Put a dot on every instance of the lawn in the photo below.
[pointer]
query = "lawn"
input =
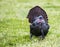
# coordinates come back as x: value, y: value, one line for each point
x: 14, y: 26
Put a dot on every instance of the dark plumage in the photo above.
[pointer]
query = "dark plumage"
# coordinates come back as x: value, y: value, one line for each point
x: 39, y: 22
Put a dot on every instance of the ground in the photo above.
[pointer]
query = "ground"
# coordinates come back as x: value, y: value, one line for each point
x: 14, y: 26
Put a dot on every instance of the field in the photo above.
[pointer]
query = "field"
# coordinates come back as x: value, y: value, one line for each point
x: 14, y: 26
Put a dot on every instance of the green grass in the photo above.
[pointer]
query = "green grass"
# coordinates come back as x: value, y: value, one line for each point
x: 14, y: 27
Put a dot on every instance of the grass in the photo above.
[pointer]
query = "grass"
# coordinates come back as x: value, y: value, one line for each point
x: 14, y: 27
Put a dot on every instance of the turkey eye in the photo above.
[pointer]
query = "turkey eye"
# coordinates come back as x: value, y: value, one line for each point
x: 37, y: 23
x: 40, y: 18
